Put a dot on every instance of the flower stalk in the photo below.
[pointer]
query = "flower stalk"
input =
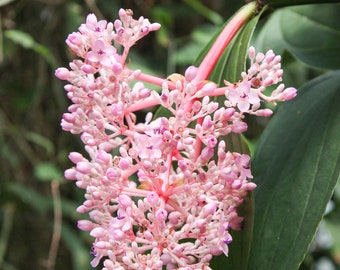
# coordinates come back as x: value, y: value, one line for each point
x: 223, y: 40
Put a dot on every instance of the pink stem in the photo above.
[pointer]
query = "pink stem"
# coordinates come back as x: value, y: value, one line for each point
x: 155, y: 80
x: 223, y: 40
x: 215, y: 52
x: 143, y: 104
x: 150, y: 101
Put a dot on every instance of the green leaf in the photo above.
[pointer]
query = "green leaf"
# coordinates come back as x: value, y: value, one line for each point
x: 280, y: 3
x: 48, y: 172
x: 26, y: 41
x: 200, y: 36
x: 29, y: 197
x: 21, y: 38
x: 311, y: 33
x: 296, y: 167
x: 41, y: 140
x: 269, y: 35
x: 204, y: 11
x: 333, y: 228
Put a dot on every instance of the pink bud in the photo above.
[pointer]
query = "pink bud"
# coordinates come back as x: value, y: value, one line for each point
x: 288, y: 94
x: 85, y: 225
x: 207, y: 123
x: 216, y: 250
x: 70, y: 174
x: 208, y: 88
x: 124, y: 200
x: 66, y: 125
x: 98, y: 232
x: 259, y: 57
x: 264, y: 112
x: 153, y: 198
x: 117, y: 68
x: 118, y: 235
x: 144, y: 93
x: 269, y: 56
x: 236, y: 184
x: 207, y: 154
x: 239, y: 127
x: 251, y: 186
x: 75, y: 157
x: 145, y: 30
x: 103, y: 157
x: 267, y: 82
x: 91, y: 19
x: 228, y: 113
x: 154, y: 26
x: 174, y: 217
x: 111, y: 174
x: 82, y: 209
x: 251, y: 52
x: 182, y: 165
x: 190, y: 73
x: 124, y: 164
x: 69, y: 117
x: 102, y: 245
x: 277, y: 59
x: 161, y: 215
x: 83, y: 167
x: 212, y: 107
x: 147, y: 164
x: 210, y: 141
x: 122, y: 14
x: 201, y: 223
x: 74, y: 39
x: 62, y: 73
x: 196, y: 106
x: 88, y: 69
x: 209, y: 209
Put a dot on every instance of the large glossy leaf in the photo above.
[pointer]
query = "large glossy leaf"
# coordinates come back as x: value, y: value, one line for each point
x: 311, y: 33
x: 296, y: 167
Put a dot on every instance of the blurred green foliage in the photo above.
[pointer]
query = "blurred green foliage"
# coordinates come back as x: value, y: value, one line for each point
x: 34, y: 149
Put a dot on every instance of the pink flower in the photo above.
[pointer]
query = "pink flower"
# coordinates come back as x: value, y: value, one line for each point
x: 223, y: 240
x: 243, y: 96
x: 94, y: 25
x: 102, y: 53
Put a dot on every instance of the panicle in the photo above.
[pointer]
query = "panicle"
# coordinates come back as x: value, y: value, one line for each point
x: 153, y: 186
x: 264, y: 71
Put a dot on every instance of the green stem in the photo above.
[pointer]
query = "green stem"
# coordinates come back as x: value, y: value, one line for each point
x: 8, y: 217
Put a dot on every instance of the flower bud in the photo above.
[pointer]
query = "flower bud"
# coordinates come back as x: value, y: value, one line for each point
x: 62, y: 73
x: 190, y: 73
x: 209, y: 209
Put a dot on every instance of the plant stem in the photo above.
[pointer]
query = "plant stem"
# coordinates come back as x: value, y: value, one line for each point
x: 222, y: 41
x: 57, y: 225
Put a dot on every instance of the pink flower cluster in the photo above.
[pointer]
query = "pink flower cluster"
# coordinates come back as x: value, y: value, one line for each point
x: 165, y: 192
